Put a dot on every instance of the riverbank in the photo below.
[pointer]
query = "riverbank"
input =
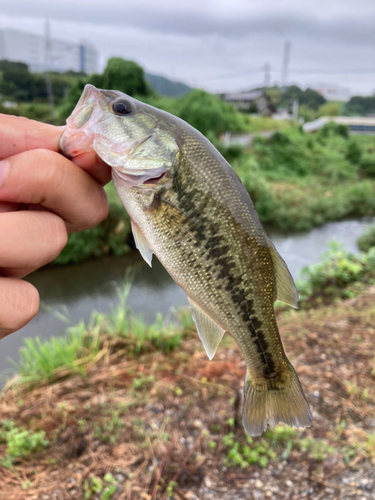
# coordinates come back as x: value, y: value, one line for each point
x: 297, y: 181
x: 118, y: 409
x: 167, y: 425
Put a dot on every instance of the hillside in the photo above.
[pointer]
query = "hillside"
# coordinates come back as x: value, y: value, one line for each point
x: 166, y: 87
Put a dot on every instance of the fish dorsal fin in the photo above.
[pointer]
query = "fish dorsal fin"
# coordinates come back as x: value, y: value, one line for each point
x: 141, y: 244
x: 209, y: 332
x: 285, y: 288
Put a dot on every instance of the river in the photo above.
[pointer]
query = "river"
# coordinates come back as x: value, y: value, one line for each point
x: 78, y: 290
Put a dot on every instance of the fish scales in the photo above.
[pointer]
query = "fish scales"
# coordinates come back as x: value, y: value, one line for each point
x: 188, y: 206
x: 224, y: 279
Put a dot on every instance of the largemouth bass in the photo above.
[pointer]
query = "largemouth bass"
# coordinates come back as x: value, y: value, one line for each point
x: 189, y: 208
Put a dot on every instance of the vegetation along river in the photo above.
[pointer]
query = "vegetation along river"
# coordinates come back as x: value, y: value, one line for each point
x: 78, y: 290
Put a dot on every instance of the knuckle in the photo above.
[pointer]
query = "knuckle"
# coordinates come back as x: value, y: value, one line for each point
x: 57, y: 238
x: 97, y: 210
x: 43, y: 173
x: 102, y: 208
x: 47, y: 169
x: 33, y: 301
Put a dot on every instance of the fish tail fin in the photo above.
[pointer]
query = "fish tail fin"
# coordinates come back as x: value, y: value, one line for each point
x: 274, y: 402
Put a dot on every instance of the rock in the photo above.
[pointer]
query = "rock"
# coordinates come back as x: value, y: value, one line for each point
x: 207, y: 482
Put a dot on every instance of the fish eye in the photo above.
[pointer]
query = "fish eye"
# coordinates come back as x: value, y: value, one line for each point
x: 121, y: 107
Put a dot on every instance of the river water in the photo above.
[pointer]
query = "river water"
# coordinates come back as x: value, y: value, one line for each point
x: 78, y: 290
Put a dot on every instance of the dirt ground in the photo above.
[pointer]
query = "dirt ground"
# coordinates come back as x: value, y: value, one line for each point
x: 169, y: 426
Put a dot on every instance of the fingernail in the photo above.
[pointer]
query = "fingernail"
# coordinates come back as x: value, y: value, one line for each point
x: 4, y: 164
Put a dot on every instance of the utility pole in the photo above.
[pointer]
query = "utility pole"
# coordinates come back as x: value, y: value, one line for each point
x: 267, y: 76
x: 47, y: 48
x: 284, y: 75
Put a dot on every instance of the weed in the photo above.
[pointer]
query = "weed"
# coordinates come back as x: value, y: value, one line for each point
x: 20, y: 442
x: 39, y: 360
x: 367, y: 239
x: 169, y: 490
x: 253, y: 452
x: 142, y: 382
x: 109, y: 428
x: 339, y: 274
x: 317, y: 449
x: 276, y: 443
x: 25, y: 485
x: 100, y: 488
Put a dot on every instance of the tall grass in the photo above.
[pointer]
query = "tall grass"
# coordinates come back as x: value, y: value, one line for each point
x: 83, y: 345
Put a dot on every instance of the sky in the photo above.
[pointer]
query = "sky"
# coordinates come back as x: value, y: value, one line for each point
x: 218, y: 45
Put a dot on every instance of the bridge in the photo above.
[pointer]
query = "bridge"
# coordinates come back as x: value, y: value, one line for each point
x: 356, y: 124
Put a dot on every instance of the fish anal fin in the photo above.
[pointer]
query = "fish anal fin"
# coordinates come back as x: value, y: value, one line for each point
x: 285, y: 288
x: 141, y: 244
x: 209, y: 332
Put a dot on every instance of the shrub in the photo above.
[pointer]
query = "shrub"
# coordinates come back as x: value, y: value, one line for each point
x: 367, y: 165
x: 353, y: 153
x: 367, y: 239
x: 207, y: 113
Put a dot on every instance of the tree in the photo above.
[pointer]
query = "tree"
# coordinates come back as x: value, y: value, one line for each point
x: 329, y: 109
x: 126, y: 76
x: 16, y: 81
x: 361, y: 105
x: 208, y: 113
x: 312, y: 99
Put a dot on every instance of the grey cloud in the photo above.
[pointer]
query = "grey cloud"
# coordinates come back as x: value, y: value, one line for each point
x: 201, y: 43
x: 203, y: 18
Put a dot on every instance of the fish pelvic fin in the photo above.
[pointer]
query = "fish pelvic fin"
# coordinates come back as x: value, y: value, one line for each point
x: 141, y: 243
x: 209, y: 332
x: 274, y: 402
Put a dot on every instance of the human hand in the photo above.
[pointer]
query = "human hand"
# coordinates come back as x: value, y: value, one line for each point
x: 43, y: 197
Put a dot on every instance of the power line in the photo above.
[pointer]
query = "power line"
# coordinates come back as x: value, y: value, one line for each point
x: 234, y: 75
x: 301, y: 71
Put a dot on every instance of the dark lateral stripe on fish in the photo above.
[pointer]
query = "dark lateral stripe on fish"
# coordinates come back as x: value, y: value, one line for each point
x: 192, y: 203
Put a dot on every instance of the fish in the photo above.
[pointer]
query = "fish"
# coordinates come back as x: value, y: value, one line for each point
x: 188, y: 207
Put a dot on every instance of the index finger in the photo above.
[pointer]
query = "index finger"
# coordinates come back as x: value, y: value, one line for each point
x: 19, y: 134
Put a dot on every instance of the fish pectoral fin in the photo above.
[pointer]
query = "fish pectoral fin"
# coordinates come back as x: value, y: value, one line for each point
x: 285, y: 288
x: 209, y: 332
x: 141, y: 243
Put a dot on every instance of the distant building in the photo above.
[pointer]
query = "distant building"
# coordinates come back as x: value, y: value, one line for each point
x: 255, y: 101
x: 332, y: 92
x: 54, y: 55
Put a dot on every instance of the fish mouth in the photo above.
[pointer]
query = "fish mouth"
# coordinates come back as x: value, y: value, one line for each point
x: 77, y: 138
x: 155, y: 180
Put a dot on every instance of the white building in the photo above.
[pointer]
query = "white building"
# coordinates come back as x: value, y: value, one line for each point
x: 41, y: 54
x: 332, y: 92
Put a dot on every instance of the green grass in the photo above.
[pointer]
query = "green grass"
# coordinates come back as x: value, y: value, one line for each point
x: 81, y: 345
